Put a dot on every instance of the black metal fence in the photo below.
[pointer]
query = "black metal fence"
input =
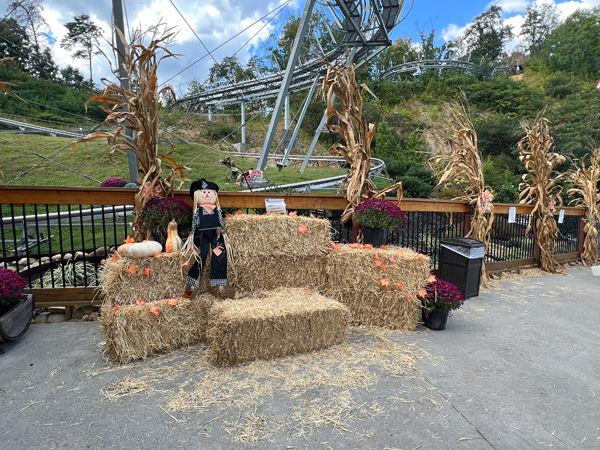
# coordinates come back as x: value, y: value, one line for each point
x: 63, y: 245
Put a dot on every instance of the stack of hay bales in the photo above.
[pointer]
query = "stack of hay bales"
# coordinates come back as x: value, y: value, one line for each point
x: 132, y: 289
x: 379, y: 286
x: 274, y: 324
x: 278, y: 251
x: 138, y: 331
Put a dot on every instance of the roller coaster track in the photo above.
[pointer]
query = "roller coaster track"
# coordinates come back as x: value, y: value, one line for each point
x: 366, y: 25
x: 427, y: 64
x: 30, y: 128
x: 377, y: 170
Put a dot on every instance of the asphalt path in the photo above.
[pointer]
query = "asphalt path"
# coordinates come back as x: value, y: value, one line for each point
x: 516, y: 368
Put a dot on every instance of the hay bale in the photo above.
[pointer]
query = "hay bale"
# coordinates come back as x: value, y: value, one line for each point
x: 134, y: 332
x: 257, y: 235
x: 166, y: 278
x: 251, y: 273
x: 275, y: 324
x: 355, y: 280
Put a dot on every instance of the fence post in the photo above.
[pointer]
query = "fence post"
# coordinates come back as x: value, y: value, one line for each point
x: 580, y: 234
x: 467, y: 223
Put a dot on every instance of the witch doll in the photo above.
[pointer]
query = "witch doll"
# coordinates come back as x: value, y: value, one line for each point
x: 207, y: 235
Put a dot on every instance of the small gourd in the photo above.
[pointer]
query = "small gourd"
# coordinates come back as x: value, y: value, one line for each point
x: 140, y: 249
x: 174, y: 242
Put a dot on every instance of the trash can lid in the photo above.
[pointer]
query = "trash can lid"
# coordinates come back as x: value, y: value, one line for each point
x: 463, y: 242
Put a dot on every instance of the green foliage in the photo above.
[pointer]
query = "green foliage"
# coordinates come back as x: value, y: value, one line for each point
x: 574, y: 46
x: 506, y: 96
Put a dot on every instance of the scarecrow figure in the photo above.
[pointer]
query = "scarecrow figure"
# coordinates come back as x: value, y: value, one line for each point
x: 207, y: 235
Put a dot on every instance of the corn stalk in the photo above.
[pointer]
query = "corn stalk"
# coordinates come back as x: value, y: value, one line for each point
x: 539, y: 187
x: 586, y: 182
x: 136, y: 108
x: 462, y: 158
x: 357, y: 134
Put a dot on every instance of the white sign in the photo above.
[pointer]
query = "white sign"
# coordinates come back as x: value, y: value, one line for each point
x: 275, y: 206
x: 561, y: 216
x: 512, y: 214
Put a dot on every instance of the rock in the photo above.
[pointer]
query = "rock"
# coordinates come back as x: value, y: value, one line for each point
x: 24, y: 261
x: 78, y: 254
x: 41, y: 319
x: 85, y: 318
x: 101, y: 251
x: 56, y: 257
x: 573, y: 263
x: 74, y: 320
x: 566, y: 266
x: 91, y: 309
x: 57, y: 309
x: 56, y: 318
x: 494, y: 276
x: 78, y: 313
x: 32, y: 321
x: 45, y: 313
x: 67, y: 256
x: 12, y: 268
x: 504, y: 274
x: 35, y: 264
x: 94, y: 316
x: 45, y: 259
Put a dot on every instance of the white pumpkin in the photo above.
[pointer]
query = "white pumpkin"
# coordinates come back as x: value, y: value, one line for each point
x: 140, y: 249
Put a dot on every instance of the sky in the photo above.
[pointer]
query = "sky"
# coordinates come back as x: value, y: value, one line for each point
x: 215, y: 21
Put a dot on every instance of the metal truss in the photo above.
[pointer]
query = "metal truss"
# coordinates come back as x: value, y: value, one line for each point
x: 366, y: 25
x: 427, y: 64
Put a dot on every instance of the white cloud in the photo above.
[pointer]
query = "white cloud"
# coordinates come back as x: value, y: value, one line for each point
x: 509, y: 6
x: 452, y: 31
x: 215, y: 21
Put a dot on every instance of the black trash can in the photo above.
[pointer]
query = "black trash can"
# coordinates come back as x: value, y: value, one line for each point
x: 460, y: 264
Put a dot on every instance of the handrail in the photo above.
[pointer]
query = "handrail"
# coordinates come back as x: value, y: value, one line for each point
x: 52, y: 195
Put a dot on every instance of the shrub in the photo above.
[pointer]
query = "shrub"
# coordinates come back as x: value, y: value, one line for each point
x: 113, y: 182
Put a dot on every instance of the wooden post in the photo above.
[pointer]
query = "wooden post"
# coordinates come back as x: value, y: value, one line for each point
x: 580, y: 234
x: 467, y: 223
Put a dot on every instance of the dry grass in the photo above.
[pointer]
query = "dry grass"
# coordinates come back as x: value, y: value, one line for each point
x: 586, y: 182
x: 133, y: 103
x: 357, y: 134
x: 134, y: 332
x: 166, y: 278
x: 539, y: 187
x: 369, y: 301
x: 274, y: 324
x: 319, y: 386
x: 259, y: 235
x: 257, y: 273
x: 462, y: 158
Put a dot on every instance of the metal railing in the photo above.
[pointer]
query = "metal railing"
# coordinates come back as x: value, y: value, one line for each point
x: 61, y: 235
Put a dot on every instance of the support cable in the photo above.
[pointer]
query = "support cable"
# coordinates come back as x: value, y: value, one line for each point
x: 48, y: 159
x: 228, y: 40
x: 192, y: 30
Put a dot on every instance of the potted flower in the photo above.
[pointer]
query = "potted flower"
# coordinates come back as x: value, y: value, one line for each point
x: 158, y: 212
x: 16, y: 308
x: 439, y: 298
x: 376, y: 216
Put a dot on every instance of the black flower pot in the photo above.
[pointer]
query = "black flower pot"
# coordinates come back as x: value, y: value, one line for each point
x: 15, y: 322
x: 375, y: 236
x: 436, y: 320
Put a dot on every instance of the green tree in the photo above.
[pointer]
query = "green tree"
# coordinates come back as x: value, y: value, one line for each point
x: 574, y: 46
x: 14, y: 42
x: 73, y: 77
x: 484, y: 39
x: 403, y: 50
x: 82, y: 36
x: 540, y: 20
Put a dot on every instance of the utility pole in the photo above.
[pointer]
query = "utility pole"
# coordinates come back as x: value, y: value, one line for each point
x: 119, y: 25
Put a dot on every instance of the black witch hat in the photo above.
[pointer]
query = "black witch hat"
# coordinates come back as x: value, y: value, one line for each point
x: 203, y: 184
